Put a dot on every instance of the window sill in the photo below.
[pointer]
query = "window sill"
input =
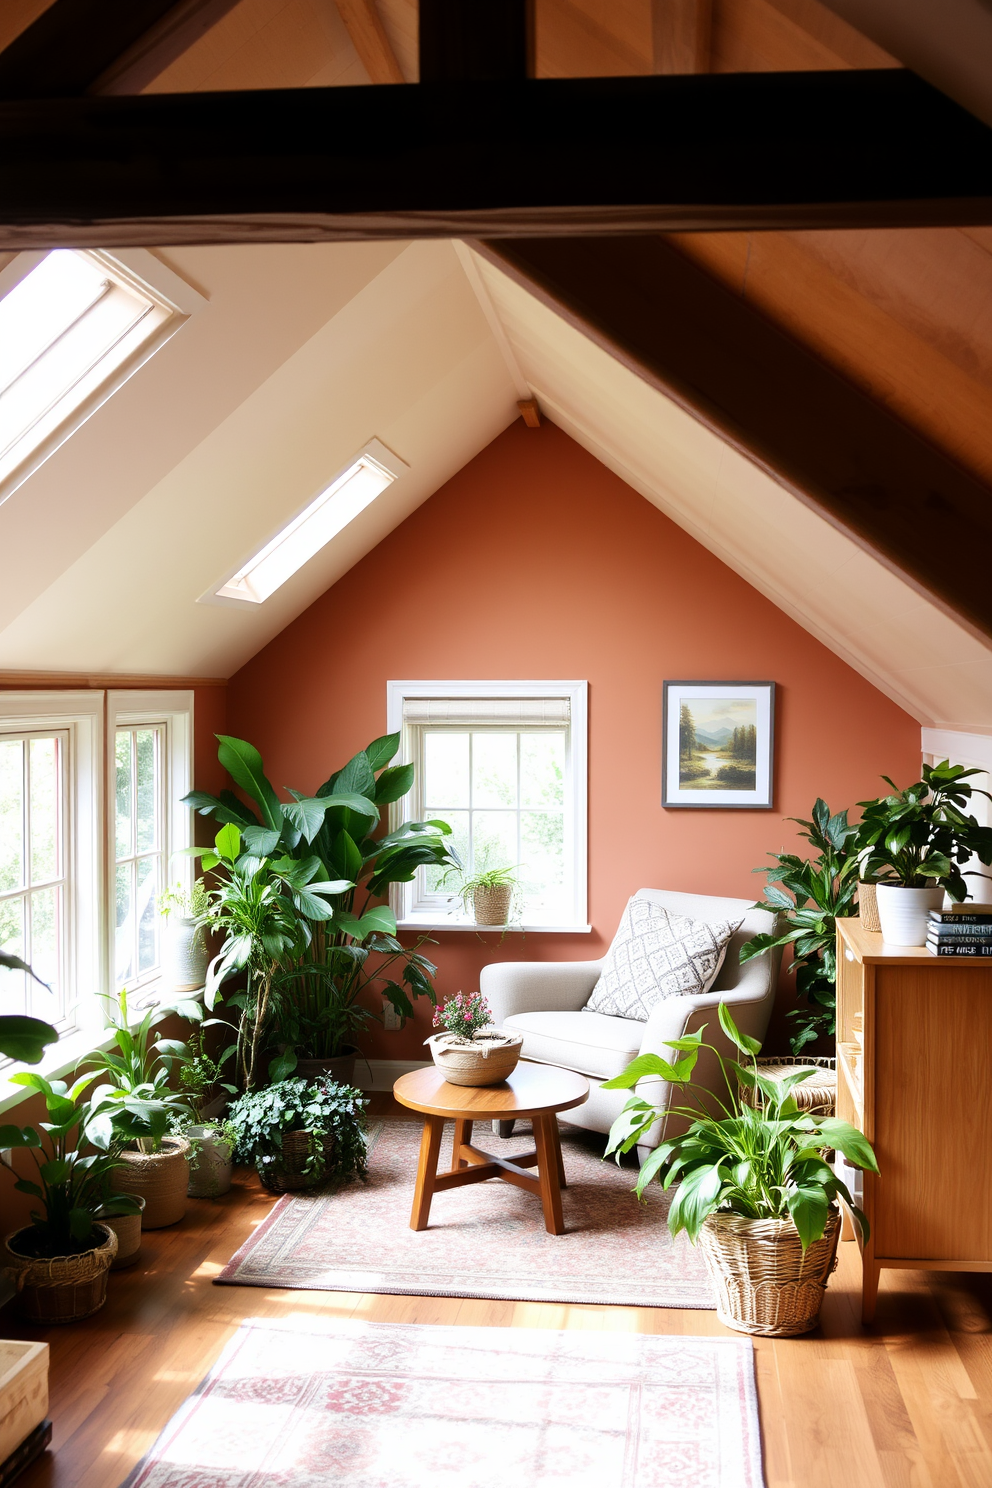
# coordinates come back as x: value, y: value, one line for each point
x: 60, y: 1060
x: 427, y: 922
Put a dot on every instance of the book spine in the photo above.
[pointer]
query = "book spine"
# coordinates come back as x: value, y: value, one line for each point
x: 953, y: 940
x: 958, y: 922
x: 959, y: 950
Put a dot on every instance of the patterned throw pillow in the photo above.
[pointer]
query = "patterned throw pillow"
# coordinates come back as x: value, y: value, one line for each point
x: 657, y: 954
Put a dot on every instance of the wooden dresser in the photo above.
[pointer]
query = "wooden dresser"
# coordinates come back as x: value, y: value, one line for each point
x: 919, y: 1085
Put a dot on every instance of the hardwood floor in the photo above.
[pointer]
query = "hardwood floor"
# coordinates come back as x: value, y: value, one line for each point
x: 906, y: 1404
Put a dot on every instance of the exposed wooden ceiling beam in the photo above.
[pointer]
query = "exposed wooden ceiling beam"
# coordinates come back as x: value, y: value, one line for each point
x: 477, y: 40
x: 735, y: 151
x: 805, y: 425
x: 368, y: 37
x: 106, y: 46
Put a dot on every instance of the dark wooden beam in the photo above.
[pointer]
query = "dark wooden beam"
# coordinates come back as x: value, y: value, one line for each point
x: 812, y: 431
x: 572, y: 155
x: 477, y: 40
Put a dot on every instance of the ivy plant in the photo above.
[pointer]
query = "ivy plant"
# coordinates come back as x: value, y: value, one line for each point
x: 261, y: 1118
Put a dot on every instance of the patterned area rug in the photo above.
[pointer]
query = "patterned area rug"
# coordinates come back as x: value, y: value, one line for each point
x: 303, y: 1403
x: 485, y: 1240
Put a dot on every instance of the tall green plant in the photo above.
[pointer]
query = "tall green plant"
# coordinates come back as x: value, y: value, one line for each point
x: 315, y: 999
x: 809, y: 895
x: 922, y: 836
x: 137, y: 1103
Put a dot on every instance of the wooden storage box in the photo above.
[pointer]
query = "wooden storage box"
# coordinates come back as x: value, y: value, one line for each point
x: 23, y: 1392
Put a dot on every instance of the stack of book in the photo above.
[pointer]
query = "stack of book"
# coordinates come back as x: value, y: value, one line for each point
x: 965, y: 930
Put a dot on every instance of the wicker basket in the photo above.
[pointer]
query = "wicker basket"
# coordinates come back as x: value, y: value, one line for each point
x: 868, y: 906
x: 62, y: 1289
x: 285, y: 1174
x: 161, y: 1178
x: 475, y: 1064
x: 814, y: 1097
x: 492, y: 906
x: 764, y: 1284
x: 127, y: 1228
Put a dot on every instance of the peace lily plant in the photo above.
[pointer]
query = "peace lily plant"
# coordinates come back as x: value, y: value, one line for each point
x: 759, y: 1159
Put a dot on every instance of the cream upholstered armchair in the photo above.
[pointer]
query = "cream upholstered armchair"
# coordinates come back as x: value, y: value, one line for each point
x: 545, y: 1001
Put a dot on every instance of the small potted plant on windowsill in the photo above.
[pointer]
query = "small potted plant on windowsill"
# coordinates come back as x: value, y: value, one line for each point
x: 754, y: 1187
x: 301, y: 1133
x: 914, y: 844
x: 488, y: 896
x: 59, y: 1262
x: 185, y: 913
x: 471, y: 1051
x: 212, y: 1143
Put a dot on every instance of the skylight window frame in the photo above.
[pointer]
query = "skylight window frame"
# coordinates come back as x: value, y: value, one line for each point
x: 373, y: 453
x: 138, y: 272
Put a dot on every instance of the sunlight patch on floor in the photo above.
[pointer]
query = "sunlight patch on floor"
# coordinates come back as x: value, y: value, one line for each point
x: 130, y: 1442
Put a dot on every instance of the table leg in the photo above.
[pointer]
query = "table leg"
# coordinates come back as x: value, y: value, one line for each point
x: 547, y: 1174
x: 430, y: 1147
x: 556, y: 1135
x: 462, y: 1137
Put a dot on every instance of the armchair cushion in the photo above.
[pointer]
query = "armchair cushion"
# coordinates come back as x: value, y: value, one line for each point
x: 657, y: 954
x: 589, y: 1043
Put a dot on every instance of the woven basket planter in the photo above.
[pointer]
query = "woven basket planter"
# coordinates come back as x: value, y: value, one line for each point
x: 492, y: 906
x: 814, y: 1097
x: 61, y: 1289
x: 127, y: 1228
x: 161, y: 1178
x: 284, y: 1174
x: 478, y: 1063
x: 868, y: 906
x: 764, y: 1284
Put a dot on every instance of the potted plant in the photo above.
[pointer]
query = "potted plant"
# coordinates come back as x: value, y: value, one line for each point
x: 809, y: 895
x: 212, y: 1143
x: 118, y: 1215
x: 488, y: 895
x: 332, y: 944
x: 471, y: 1051
x: 914, y: 844
x: 754, y: 1187
x: 300, y: 1133
x: 185, y: 915
x: 137, y: 1106
x: 59, y: 1262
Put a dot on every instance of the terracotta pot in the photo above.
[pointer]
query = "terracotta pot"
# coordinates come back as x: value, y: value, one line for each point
x: 903, y: 912
x: 340, y: 1068
x: 186, y: 955
x: 161, y: 1178
x: 60, y: 1289
x: 492, y: 906
x: 764, y: 1282
x: 211, y: 1162
x: 477, y: 1063
x: 127, y: 1228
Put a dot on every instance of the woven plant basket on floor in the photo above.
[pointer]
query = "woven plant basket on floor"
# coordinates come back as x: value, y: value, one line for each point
x: 62, y: 1289
x: 868, y: 907
x: 127, y: 1228
x: 161, y: 1178
x: 815, y: 1096
x: 475, y: 1063
x: 492, y: 906
x: 285, y: 1174
x: 763, y: 1282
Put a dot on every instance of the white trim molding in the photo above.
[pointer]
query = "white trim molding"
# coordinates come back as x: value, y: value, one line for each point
x: 576, y: 693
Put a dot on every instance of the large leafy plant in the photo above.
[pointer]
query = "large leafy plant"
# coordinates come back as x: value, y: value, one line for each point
x: 320, y: 856
x: 762, y: 1161
x: 137, y: 1103
x: 809, y: 894
x: 73, y: 1159
x: 922, y: 836
x: 322, y: 1108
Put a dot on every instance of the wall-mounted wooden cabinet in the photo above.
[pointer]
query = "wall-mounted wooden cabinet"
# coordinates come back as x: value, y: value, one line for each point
x: 914, y: 1062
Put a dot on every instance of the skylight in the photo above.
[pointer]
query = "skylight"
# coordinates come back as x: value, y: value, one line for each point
x: 66, y: 327
x: 312, y: 528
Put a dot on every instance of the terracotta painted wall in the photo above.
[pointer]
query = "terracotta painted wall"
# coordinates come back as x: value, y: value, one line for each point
x: 535, y: 561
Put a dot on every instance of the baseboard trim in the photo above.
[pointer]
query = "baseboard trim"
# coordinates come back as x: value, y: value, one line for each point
x: 382, y: 1074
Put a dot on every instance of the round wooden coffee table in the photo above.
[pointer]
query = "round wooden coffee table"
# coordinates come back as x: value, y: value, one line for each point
x: 534, y: 1090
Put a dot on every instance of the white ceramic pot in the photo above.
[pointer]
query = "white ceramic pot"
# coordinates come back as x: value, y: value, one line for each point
x: 210, y: 1163
x: 185, y: 954
x: 903, y: 912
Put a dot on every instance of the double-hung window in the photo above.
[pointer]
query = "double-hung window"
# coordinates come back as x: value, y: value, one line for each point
x: 504, y: 764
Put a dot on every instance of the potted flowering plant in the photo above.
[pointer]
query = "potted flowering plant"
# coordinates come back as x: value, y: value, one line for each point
x: 471, y: 1051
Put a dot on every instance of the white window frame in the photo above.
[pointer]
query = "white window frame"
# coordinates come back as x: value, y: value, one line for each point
x: 174, y: 712
x: 577, y: 791
x: 146, y: 274
x: 81, y: 716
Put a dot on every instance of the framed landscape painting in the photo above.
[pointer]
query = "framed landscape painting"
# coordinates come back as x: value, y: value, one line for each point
x: 717, y: 740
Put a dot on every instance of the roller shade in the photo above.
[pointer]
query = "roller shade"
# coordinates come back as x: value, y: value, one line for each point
x: 504, y: 712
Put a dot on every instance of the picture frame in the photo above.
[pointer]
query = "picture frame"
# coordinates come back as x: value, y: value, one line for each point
x: 718, y: 745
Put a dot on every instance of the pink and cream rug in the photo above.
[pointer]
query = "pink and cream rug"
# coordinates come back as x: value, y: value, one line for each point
x: 487, y: 1240
x: 305, y: 1403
